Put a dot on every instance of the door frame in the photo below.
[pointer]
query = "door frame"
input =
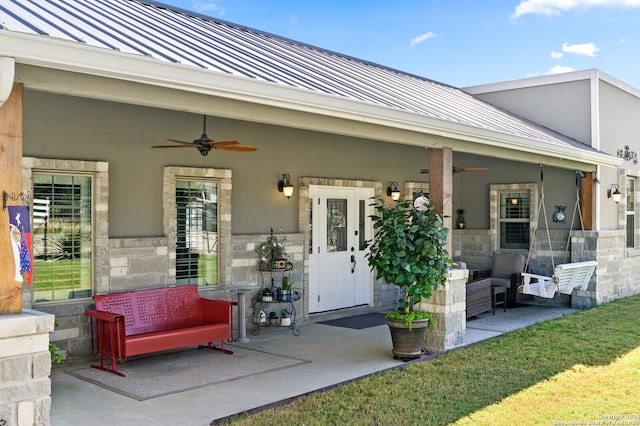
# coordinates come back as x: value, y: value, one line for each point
x: 305, y: 209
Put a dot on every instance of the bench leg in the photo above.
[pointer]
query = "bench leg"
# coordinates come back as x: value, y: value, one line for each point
x: 107, y: 346
x: 212, y: 346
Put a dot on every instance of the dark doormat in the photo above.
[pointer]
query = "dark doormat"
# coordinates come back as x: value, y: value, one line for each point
x: 358, y: 322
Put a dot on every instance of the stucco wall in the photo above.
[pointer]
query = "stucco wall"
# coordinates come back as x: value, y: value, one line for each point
x: 542, y: 103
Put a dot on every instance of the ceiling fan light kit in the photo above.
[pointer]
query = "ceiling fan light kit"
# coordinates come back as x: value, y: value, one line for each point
x: 204, y: 144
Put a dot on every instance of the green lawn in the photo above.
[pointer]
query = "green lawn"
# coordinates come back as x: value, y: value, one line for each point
x: 578, y: 368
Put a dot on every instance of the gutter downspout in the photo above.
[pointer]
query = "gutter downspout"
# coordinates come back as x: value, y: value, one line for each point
x: 7, y: 74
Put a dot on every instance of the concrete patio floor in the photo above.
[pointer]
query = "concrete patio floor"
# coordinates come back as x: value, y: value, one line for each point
x: 331, y: 362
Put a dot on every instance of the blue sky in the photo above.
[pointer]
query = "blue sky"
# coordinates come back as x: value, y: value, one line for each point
x: 459, y: 42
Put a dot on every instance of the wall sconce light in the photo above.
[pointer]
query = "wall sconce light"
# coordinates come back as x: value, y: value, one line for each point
x: 616, y: 194
x: 393, y: 191
x: 285, y: 186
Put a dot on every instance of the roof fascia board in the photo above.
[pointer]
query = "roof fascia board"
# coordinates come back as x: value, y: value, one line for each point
x: 529, y: 82
x: 545, y: 80
x: 66, y: 56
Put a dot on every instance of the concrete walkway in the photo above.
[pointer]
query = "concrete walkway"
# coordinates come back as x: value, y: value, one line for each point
x: 336, y: 355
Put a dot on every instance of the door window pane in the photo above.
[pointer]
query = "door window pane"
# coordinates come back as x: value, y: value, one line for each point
x: 196, y: 232
x: 336, y: 225
x: 362, y: 217
x: 631, y: 214
x: 62, y: 237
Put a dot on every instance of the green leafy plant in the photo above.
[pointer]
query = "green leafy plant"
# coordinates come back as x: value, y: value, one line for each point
x: 409, y: 250
x: 56, y: 358
x: 286, y: 284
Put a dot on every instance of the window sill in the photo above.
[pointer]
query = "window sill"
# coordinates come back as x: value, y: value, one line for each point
x: 632, y: 252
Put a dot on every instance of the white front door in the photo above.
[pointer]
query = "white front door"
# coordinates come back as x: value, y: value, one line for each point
x: 339, y: 276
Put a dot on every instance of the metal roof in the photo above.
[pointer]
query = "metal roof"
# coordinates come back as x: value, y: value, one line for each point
x: 172, y: 35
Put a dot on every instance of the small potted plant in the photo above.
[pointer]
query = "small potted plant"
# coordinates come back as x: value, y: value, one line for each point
x: 285, y: 318
x: 409, y: 250
x: 284, y: 292
x: 273, y: 318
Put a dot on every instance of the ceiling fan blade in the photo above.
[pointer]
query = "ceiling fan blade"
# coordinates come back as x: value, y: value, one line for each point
x: 180, y: 142
x: 470, y: 169
x: 175, y: 146
x: 239, y: 148
x: 462, y: 169
x: 224, y: 142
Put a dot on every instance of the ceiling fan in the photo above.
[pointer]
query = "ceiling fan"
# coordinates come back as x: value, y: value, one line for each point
x: 462, y: 169
x: 204, y: 144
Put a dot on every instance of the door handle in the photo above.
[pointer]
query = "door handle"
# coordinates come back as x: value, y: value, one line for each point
x: 353, y: 263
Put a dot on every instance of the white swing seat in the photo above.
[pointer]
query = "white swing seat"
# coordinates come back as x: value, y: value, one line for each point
x: 566, y: 278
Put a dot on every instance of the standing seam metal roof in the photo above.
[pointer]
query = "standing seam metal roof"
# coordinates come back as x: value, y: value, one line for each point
x: 177, y: 36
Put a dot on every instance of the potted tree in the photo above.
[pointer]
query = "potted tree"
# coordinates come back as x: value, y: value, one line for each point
x: 409, y: 250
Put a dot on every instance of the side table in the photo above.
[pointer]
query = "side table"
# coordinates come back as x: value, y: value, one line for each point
x: 495, y: 291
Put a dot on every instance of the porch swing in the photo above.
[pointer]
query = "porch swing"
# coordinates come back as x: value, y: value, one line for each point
x: 567, y: 276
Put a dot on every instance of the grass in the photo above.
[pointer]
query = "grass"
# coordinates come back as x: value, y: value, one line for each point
x: 578, y: 368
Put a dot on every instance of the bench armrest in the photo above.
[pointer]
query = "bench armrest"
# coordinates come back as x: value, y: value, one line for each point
x: 108, y: 335
x: 102, y: 315
x: 481, y: 274
x: 216, y: 310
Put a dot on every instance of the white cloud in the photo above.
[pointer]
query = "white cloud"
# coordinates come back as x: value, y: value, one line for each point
x: 559, y: 69
x: 556, y: 7
x: 207, y: 6
x: 293, y: 20
x: 585, y: 49
x: 622, y: 40
x: 557, y: 55
x: 426, y: 36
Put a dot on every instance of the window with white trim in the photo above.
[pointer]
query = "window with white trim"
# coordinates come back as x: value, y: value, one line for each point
x: 513, y: 211
x: 197, y: 222
x: 196, y: 232
x: 62, y: 238
x: 69, y: 198
x: 515, y: 215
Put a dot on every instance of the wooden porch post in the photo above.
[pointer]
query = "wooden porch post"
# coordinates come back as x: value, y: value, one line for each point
x: 11, y: 182
x: 587, y: 206
x: 441, y: 185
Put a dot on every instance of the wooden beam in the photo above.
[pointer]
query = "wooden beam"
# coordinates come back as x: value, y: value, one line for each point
x: 586, y: 196
x: 10, y: 181
x: 441, y: 185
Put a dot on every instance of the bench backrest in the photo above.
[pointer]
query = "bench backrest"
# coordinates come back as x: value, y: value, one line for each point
x: 155, y: 309
x: 574, y: 275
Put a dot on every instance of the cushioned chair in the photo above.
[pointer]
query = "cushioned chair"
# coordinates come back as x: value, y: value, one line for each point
x: 505, y: 271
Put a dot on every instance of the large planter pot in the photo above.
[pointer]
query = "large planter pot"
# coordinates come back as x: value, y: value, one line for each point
x: 408, y: 343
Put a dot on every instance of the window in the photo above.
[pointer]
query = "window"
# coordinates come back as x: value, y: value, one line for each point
x: 197, y: 222
x: 196, y: 232
x: 512, y: 216
x: 514, y: 220
x: 631, y: 213
x: 62, y: 236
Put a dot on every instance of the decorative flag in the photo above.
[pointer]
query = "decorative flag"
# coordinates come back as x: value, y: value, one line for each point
x: 20, y: 229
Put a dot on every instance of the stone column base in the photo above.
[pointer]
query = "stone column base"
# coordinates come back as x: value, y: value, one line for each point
x: 25, y: 368
x: 448, y: 306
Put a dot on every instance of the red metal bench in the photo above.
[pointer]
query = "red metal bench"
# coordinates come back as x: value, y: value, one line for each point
x: 143, y: 321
